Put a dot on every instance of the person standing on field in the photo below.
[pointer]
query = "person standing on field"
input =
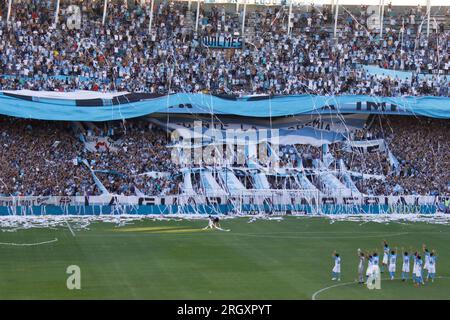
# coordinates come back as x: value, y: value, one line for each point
x: 362, y: 259
x: 337, y: 267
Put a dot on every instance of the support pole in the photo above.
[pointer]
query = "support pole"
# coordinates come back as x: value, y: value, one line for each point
x: 336, y: 20
x: 428, y: 17
x: 57, y: 13
x: 402, y: 31
x: 9, y: 11
x: 289, y: 18
x: 105, y: 7
x: 381, y: 19
x: 151, y: 17
x: 379, y: 9
x: 197, y: 16
x: 243, y: 18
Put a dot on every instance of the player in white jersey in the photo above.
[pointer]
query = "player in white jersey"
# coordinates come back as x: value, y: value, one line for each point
x: 419, y: 263
x: 426, y: 254
x: 385, y: 256
x: 362, y: 259
x: 337, y: 267
x: 375, y: 264
x: 392, y: 264
x: 214, y: 223
x: 369, y: 265
x: 416, y: 254
x: 432, y: 266
x: 405, y: 266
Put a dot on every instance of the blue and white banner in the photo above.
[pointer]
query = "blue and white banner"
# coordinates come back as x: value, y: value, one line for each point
x: 307, y: 135
x: 402, y: 75
x: 364, y: 146
x: 80, y: 106
x: 111, y: 199
x: 328, y: 122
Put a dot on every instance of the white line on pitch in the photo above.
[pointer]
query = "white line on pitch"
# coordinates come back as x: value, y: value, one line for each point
x: 71, y: 231
x: 347, y: 283
x: 27, y: 244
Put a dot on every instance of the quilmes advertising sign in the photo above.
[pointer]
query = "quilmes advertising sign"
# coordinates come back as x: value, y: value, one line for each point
x: 222, y: 41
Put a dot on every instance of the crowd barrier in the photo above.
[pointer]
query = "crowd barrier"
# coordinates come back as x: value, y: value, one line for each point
x: 276, y: 202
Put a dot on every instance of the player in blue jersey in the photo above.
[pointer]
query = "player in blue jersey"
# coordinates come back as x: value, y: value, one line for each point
x: 392, y: 263
x: 337, y: 267
x: 414, y: 278
x: 419, y: 263
x: 385, y: 255
x: 375, y: 264
x: 376, y: 259
x: 405, y: 266
x: 432, y: 266
x: 361, y: 263
x: 426, y: 255
x: 369, y: 265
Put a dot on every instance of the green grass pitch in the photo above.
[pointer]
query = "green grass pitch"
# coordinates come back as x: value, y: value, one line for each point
x: 288, y: 259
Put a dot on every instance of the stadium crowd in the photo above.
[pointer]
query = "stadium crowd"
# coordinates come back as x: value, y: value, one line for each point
x: 49, y: 158
x: 139, y: 150
x: 122, y: 55
x: 421, y: 148
x: 40, y: 158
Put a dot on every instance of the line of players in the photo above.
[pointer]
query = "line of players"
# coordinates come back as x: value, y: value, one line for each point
x: 390, y: 261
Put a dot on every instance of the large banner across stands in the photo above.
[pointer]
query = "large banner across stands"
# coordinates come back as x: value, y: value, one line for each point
x: 287, y: 196
x: 89, y: 106
x: 230, y: 136
x: 326, y: 122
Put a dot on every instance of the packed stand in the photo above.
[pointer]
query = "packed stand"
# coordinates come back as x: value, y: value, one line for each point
x: 122, y: 55
x: 41, y: 158
x: 138, y: 161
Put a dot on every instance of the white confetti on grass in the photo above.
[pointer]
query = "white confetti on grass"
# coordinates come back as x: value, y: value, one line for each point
x: 438, y: 218
x: 13, y: 223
